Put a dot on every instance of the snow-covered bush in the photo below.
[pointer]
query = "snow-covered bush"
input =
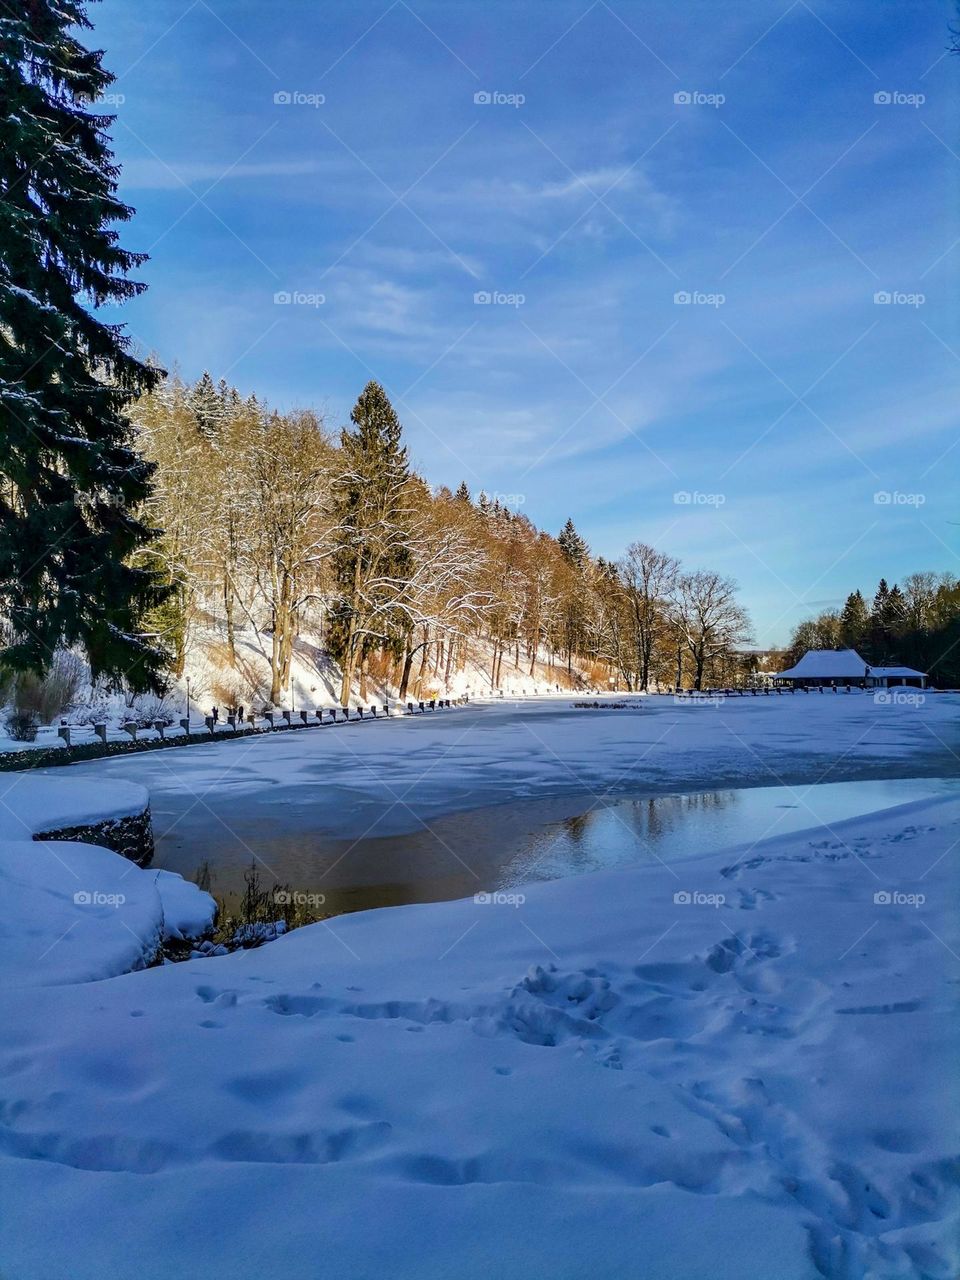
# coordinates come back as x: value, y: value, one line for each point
x: 95, y: 708
x: 145, y: 709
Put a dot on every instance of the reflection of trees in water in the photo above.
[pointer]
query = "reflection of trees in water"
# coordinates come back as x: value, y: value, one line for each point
x: 655, y: 816
x: 576, y: 827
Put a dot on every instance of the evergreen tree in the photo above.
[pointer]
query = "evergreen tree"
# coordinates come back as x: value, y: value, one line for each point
x: 879, y: 630
x: 209, y: 404
x: 896, y: 611
x: 854, y: 620
x: 463, y: 493
x: 373, y: 561
x: 573, y: 546
x: 71, y: 483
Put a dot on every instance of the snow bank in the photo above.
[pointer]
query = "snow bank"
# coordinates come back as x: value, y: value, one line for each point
x: 73, y: 913
x: 188, y: 912
x: 735, y: 1069
x: 31, y: 803
x: 76, y: 912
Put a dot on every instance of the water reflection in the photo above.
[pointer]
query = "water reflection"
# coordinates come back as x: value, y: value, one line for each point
x: 501, y: 847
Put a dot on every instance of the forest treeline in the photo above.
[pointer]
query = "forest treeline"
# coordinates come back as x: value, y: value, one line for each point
x: 272, y: 524
x: 914, y: 625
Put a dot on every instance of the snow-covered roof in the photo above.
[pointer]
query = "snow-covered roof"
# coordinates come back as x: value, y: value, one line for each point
x: 827, y: 664
x: 895, y: 672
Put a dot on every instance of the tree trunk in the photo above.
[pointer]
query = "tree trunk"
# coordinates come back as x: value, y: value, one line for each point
x: 405, y: 678
x: 364, y: 668
x: 274, y: 663
x: 349, y: 658
x: 228, y: 612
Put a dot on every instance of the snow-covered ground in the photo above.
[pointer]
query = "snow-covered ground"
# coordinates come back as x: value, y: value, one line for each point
x: 77, y: 912
x: 740, y: 1067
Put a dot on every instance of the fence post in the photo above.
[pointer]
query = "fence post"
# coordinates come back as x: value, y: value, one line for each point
x: 101, y: 731
x: 130, y: 727
x: 184, y: 725
x: 160, y: 728
x: 210, y: 723
x: 64, y: 733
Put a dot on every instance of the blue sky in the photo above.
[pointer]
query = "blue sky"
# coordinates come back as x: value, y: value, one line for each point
x: 619, y: 155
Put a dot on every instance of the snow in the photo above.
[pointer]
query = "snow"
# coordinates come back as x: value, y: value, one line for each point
x: 403, y: 772
x: 188, y: 912
x: 73, y: 913
x: 829, y: 664
x: 896, y: 672
x: 738, y: 1068
x: 78, y: 912
x: 31, y: 803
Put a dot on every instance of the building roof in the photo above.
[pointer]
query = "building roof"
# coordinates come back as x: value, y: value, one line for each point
x: 841, y: 664
x: 827, y: 664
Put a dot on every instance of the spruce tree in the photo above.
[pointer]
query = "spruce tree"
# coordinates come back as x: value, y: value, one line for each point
x: 463, y: 493
x: 71, y: 484
x: 854, y: 620
x: 209, y: 404
x: 573, y: 546
x: 373, y: 560
x: 879, y: 630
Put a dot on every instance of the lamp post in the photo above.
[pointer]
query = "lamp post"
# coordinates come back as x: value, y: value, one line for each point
x: 188, y: 703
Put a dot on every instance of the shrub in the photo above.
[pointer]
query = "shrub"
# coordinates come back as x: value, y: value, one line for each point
x: 146, y: 709
x: 41, y: 699
x: 22, y: 726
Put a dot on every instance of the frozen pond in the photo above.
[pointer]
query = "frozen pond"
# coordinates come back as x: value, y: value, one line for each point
x: 507, y: 845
